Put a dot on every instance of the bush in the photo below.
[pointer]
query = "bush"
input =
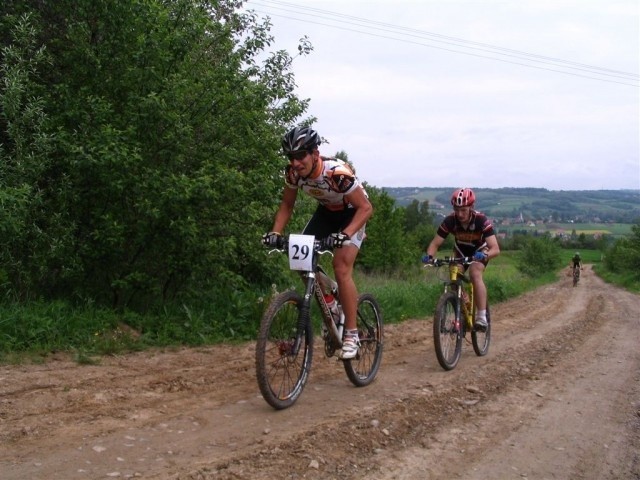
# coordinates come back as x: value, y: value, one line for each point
x: 539, y: 256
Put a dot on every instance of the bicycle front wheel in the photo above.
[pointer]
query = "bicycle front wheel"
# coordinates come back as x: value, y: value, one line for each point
x: 481, y: 339
x: 363, y: 368
x: 447, y: 331
x: 281, y: 372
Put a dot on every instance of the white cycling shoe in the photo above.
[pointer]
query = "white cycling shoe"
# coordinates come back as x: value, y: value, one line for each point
x: 349, y: 347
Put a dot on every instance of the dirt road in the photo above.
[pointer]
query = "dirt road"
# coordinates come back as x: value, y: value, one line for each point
x: 558, y: 397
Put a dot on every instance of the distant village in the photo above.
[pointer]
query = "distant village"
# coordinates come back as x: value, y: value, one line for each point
x: 521, y: 224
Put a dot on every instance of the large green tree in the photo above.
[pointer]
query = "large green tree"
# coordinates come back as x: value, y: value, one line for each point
x: 138, y: 147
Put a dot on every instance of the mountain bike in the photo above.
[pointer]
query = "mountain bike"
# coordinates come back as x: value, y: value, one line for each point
x: 284, y: 349
x: 576, y: 275
x: 454, y: 314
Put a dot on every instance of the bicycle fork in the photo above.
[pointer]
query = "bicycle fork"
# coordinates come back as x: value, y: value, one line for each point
x: 304, y: 316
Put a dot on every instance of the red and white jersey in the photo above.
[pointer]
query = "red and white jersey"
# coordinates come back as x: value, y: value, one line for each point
x: 329, y: 182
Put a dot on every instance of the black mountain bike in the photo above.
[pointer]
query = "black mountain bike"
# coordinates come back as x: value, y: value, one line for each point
x: 285, y: 342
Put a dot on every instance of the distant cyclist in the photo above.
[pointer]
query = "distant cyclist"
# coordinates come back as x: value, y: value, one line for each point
x: 475, y: 238
x: 576, y: 261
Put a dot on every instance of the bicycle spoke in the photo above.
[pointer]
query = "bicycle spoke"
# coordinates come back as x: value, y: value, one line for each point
x: 363, y: 369
x: 282, y: 373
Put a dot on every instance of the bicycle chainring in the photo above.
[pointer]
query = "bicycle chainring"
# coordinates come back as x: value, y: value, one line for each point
x: 329, y: 346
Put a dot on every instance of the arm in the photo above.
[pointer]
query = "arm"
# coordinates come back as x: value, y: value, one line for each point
x: 285, y: 210
x: 493, y: 249
x: 435, y: 244
x: 364, y: 210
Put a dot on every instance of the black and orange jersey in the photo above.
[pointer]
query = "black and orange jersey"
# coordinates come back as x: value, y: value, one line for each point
x: 329, y: 183
x: 468, y: 239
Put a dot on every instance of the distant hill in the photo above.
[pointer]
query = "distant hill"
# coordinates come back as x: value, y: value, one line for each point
x: 620, y: 206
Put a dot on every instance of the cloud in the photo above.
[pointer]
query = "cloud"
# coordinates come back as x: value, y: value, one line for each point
x: 487, y: 93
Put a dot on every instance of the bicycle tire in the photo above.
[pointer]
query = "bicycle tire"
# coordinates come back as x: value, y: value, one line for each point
x: 362, y: 370
x: 281, y: 375
x: 481, y: 339
x: 447, y: 337
x: 576, y: 278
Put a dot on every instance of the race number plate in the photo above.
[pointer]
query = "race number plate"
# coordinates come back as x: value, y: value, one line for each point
x: 301, y: 252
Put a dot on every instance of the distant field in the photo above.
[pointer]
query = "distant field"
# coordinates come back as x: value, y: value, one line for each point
x: 537, y: 203
x: 613, y: 229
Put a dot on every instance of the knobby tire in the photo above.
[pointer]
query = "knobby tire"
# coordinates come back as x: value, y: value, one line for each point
x: 362, y: 370
x: 480, y: 339
x: 282, y: 375
x: 447, y: 337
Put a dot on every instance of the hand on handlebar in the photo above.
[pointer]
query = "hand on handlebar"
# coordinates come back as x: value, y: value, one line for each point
x: 428, y: 259
x: 272, y: 239
x: 480, y: 256
x: 338, y: 240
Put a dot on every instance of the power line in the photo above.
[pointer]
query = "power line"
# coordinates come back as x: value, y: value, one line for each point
x: 417, y: 37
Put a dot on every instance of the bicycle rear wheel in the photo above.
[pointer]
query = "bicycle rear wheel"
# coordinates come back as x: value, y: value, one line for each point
x: 481, y: 339
x: 363, y: 368
x: 447, y: 331
x: 281, y: 373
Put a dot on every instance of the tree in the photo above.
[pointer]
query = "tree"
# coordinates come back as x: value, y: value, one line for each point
x: 385, y: 248
x: 158, y: 131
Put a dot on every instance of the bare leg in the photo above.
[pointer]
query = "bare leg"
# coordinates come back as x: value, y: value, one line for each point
x: 479, y: 289
x: 343, y: 261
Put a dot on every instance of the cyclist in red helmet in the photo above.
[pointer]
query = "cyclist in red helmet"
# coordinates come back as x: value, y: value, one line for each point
x: 342, y: 213
x: 474, y: 237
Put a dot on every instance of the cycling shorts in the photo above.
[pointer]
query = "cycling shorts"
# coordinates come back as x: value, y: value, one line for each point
x: 325, y: 222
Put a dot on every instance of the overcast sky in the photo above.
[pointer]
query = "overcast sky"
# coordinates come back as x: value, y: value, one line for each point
x: 478, y: 93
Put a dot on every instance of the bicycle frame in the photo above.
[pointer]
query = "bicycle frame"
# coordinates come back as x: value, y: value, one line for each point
x: 315, y: 279
x: 467, y: 304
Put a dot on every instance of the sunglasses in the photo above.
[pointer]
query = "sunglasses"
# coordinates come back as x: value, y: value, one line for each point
x: 297, y: 155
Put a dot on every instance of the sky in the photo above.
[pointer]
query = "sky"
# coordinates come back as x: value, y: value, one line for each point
x: 471, y: 93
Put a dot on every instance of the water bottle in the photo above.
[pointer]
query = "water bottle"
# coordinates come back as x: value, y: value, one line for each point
x: 334, y: 308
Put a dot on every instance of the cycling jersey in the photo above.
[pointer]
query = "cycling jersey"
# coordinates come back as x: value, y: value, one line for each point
x: 576, y: 261
x: 471, y: 238
x: 329, y: 182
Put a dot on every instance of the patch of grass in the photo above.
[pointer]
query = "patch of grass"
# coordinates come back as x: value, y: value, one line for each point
x: 626, y: 280
x: 31, y: 332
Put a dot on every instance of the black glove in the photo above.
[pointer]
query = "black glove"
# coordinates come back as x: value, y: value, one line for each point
x: 338, y: 240
x: 272, y: 239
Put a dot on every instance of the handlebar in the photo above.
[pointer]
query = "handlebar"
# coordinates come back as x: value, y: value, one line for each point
x: 439, y: 262
x: 320, y: 245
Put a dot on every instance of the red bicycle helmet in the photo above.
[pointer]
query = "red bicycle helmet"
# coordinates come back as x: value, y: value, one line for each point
x: 463, y: 197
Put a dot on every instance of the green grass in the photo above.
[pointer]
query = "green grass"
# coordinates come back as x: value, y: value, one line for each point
x: 615, y: 230
x: 31, y: 332
x: 414, y: 294
x: 627, y: 280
